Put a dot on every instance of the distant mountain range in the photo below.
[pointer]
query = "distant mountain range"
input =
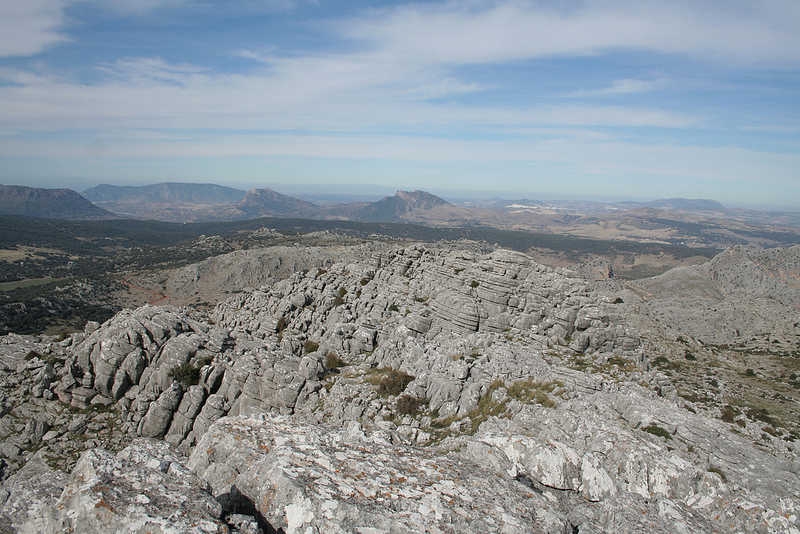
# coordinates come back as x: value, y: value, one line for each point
x: 186, y: 202
x: 166, y: 192
x: 48, y: 203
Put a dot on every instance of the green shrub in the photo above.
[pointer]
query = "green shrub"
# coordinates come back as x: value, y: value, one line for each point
x: 474, y: 284
x: 618, y: 300
x: 186, y: 374
x: 310, y: 346
x: 689, y: 356
x: 393, y: 308
x: 657, y: 431
x: 389, y: 381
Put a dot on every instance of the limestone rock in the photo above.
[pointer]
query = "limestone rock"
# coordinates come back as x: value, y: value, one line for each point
x: 143, y: 488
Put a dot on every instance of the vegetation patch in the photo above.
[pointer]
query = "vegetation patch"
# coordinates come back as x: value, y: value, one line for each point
x: 338, y: 300
x: 487, y: 407
x: 537, y: 392
x: 408, y: 405
x: 658, y: 431
x: 665, y: 364
x: 618, y: 362
x: 393, y: 308
x: 333, y: 361
x: 761, y: 414
x: 282, y: 324
x: 474, y: 284
x: 728, y: 413
x: 310, y: 346
x: 718, y: 471
x: 188, y: 374
x: 389, y: 381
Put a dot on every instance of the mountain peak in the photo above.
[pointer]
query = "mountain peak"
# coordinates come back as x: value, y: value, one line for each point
x: 47, y: 203
x: 420, y: 199
x: 264, y: 202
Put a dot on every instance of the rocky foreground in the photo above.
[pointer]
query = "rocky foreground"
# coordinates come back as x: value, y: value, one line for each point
x: 413, y: 390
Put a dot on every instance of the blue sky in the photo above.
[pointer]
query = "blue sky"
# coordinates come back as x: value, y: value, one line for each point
x: 576, y: 99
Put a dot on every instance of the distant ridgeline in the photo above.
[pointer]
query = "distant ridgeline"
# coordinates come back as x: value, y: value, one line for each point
x: 48, y: 203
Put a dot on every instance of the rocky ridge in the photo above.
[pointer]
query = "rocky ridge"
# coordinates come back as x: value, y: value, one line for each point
x: 379, y: 394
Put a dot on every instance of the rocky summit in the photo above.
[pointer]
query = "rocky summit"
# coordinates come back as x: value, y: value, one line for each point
x: 441, y: 388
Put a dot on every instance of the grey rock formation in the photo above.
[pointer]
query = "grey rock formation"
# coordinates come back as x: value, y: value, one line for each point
x: 410, y: 389
x: 740, y: 294
x: 143, y: 488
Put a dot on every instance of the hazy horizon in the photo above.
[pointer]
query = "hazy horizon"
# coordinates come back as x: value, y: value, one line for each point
x: 371, y: 192
x: 591, y: 100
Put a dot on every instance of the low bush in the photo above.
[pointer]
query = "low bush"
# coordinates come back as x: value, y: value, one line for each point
x: 408, y: 405
x: 310, y: 346
x: 657, y: 431
x: 530, y: 391
x: 186, y: 374
x: 728, y: 413
x: 332, y: 361
x: 389, y: 381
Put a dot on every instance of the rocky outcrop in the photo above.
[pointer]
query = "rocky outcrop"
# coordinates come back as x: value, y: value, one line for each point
x: 407, y: 389
x: 170, y: 377
x: 437, y: 291
x: 739, y: 295
x: 143, y: 488
x: 313, y: 478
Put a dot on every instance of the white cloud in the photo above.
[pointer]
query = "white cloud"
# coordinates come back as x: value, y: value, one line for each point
x: 141, y: 7
x: 29, y: 26
x: 348, y: 93
x: 483, y: 32
x: 136, y: 7
x: 626, y: 86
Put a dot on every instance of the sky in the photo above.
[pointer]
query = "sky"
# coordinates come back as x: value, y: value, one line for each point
x: 578, y: 99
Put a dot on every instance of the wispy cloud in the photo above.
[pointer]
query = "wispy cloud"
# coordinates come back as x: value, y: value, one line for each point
x: 136, y: 7
x: 301, y: 93
x: 30, y: 26
x: 628, y: 86
x: 484, y: 32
